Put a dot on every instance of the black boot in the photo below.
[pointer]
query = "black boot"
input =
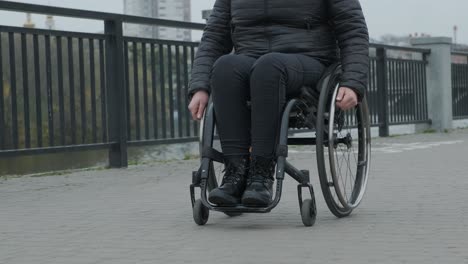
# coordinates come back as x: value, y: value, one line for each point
x: 233, y: 184
x: 259, y: 190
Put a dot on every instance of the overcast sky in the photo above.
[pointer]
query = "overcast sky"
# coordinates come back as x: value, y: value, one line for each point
x: 399, y: 17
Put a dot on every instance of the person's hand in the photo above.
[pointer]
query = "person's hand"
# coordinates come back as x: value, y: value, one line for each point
x: 198, y: 104
x: 346, y: 98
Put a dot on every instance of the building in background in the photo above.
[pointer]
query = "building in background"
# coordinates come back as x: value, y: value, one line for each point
x: 164, y: 9
x: 50, y: 22
x: 29, y: 23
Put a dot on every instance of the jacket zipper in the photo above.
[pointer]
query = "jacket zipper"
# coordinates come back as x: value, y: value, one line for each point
x: 233, y: 39
x: 308, y: 23
x: 267, y: 34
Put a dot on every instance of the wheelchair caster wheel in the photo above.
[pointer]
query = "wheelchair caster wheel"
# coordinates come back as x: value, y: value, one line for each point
x: 308, y: 212
x: 200, y: 213
x: 232, y: 214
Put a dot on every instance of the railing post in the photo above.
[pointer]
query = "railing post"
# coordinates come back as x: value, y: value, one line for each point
x: 116, y: 106
x: 382, y: 91
x: 439, y: 80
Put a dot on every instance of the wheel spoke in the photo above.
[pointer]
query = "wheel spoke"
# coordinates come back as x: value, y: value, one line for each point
x: 350, y: 173
x: 346, y: 180
x: 340, y: 160
x: 334, y: 184
x: 338, y: 163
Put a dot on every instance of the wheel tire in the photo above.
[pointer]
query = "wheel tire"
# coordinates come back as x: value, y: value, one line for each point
x: 335, y: 204
x: 206, y: 140
x: 232, y: 214
x: 200, y: 213
x: 308, y: 212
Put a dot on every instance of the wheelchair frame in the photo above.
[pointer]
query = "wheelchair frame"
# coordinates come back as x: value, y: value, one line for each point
x: 205, y: 177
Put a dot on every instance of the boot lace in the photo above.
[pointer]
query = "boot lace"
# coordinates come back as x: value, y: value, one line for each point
x: 233, y: 173
x: 261, y: 171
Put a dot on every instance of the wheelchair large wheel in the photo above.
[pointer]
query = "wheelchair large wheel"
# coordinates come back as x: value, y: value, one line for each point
x: 207, y: 132
x: 343, y: 151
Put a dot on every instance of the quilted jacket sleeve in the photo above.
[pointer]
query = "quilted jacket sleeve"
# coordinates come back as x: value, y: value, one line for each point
x: 353, y: 40
x: 216, y: 41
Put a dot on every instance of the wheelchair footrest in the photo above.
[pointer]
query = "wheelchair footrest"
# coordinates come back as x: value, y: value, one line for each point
x: 241, y: 209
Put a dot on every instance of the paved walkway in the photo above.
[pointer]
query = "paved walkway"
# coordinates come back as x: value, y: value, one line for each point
x: 415, y: 211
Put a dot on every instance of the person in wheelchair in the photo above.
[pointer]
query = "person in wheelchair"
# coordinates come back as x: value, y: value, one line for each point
x: 252, y: 57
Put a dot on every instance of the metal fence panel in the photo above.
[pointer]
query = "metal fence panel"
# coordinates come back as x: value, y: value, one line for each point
x: 460, y: 90
x: 49, y: 81
x: 158, y: 74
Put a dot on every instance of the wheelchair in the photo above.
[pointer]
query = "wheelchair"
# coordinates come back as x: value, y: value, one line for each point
x: 342, y: 145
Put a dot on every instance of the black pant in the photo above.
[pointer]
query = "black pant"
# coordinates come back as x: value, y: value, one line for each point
x: 266, y: 82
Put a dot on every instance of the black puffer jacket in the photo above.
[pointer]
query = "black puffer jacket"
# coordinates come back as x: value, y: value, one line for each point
x: 311, y: 27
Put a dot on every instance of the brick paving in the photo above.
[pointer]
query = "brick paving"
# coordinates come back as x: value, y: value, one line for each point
x: 415, y: 211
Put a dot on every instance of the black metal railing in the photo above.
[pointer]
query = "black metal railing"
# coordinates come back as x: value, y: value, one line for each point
x: 54, y: 87
x: 157, y: 78
x: 397, y: 91
x: 460, y: 86
x: 65, y: 91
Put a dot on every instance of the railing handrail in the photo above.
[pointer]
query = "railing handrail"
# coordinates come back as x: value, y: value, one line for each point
x: 403, y: 48
x: 87, y: 14
x: 62, y: 33
x: 461, y: 53
x: 103, y: 16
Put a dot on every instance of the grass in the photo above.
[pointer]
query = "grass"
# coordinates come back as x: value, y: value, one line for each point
x: 429, y: 131
x: 65, y: 172
x: 69, y: 171
x: 52, y: 173
x: 433, y: 131
x: 397, y: 135
x: 190, y: 156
